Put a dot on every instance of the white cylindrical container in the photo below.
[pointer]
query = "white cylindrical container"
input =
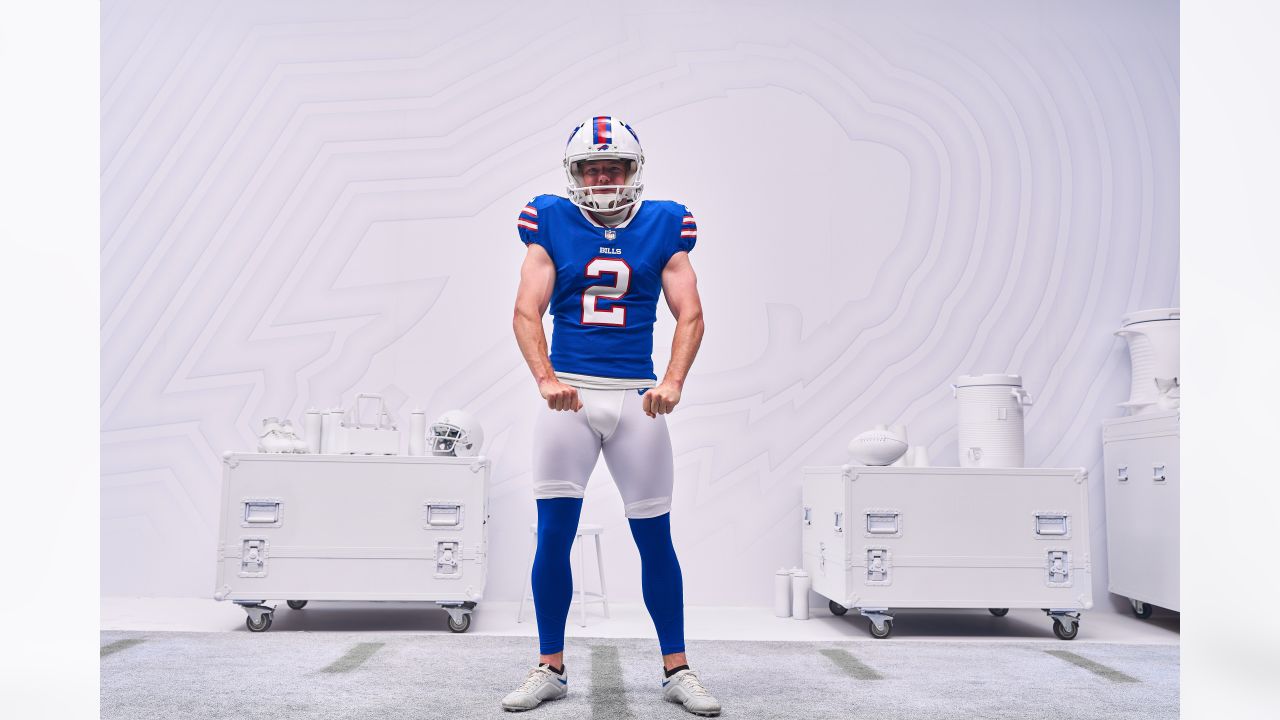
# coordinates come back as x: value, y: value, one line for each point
x: 990, y: 427
x: 799, y: 594
x: 919, y: 456
x: 326, y: 431
x: 418, y: 433
x: 1153, y: 353
x: 330, y: 423
x: 782, y: 593
x: 312, y: 429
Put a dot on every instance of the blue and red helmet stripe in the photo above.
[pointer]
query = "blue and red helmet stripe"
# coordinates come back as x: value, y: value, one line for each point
x: 602, y: 128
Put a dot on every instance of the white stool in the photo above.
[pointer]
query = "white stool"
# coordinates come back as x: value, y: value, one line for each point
x: 584, y: 596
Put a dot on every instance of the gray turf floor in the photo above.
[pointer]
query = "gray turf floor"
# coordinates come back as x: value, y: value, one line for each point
x: 277, y: 675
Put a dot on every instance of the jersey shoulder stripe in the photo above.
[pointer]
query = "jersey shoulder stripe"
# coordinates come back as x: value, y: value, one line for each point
x: 670, y: 207
x: 688, y: 226
x: 528, y: 217
x: 678, y: 216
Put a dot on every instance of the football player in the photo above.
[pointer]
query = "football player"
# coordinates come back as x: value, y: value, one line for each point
x: 599, y: 259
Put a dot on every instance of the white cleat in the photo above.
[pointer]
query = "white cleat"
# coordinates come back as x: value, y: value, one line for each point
x: 685, y: 688
x: 543, y: 683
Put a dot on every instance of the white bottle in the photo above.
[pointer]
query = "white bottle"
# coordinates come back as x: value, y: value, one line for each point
x: 333, y: 436
x: 782, y: 593
x: 312, y: 429
x: 326, y: 431
x: 417, y: 433
x: 799, y: 594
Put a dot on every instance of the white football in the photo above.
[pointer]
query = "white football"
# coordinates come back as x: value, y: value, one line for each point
x: 877, y: 447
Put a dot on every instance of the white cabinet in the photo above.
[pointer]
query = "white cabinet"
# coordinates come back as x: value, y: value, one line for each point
x: 1140, y: 454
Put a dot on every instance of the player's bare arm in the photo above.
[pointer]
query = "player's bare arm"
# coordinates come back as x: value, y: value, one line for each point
x: 680, y: 288
x: 537, y: 278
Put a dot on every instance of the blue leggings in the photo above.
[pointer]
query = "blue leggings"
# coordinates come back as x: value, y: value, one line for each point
x: 660, y: 578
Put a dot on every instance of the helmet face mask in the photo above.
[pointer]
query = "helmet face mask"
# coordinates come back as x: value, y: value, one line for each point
x: 604, y: 138
x: 455, y: 434
x: 445, y: 438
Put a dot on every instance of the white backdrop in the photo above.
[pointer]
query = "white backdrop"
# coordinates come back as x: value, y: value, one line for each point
x: 302, y: 200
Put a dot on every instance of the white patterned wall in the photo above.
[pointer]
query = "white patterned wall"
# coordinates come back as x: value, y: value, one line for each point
x: 301, y: 200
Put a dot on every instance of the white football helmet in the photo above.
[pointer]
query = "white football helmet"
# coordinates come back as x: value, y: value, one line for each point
x: 604, y: 137
x: 455, y: 433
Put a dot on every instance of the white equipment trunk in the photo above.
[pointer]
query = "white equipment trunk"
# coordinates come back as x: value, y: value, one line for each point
x: 1140, y: 453
x: 874, y: 538
x: 354, y: 527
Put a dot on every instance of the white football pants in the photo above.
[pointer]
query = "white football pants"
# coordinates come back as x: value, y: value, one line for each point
x: 637, y: 450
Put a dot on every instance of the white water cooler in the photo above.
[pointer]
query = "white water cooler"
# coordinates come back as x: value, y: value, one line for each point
x: 990, y: 423
x: 1152, y: 336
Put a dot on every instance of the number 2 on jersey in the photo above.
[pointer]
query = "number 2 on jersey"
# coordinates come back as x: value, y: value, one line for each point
x: 617, y: 316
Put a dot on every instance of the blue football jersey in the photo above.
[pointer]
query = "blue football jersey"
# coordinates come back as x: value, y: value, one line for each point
x: 608, y: 281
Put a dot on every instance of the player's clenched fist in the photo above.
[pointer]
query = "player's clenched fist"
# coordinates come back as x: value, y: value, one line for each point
x: 661, y: 400
x: 560, y: 396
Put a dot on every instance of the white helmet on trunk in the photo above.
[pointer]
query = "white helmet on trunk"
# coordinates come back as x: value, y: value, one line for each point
x: 604, y: 137
x: 455, y: 433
